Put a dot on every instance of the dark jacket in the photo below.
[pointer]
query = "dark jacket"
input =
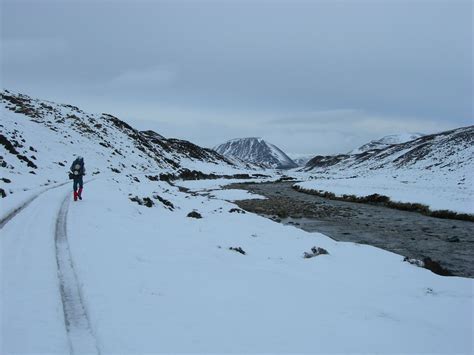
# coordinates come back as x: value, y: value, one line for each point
x: 77, y: 167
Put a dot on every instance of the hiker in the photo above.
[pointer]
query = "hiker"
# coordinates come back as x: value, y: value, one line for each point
x: 77, y: 172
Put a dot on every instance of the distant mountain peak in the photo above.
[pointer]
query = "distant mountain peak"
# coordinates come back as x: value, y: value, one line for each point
x: 301, y: 158
x: 386, y: 141
x: 257, y: 151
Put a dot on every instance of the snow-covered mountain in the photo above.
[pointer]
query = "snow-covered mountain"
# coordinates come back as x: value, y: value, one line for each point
x: 386, y: 141
x: 257, y: 151
x: 444, y: 153
x: 40, y: 138
x: 435, y: 170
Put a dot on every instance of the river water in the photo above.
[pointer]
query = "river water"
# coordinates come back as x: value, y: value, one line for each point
x: 450, y: 242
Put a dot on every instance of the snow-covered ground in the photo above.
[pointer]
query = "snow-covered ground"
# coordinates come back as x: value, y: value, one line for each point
x: 436, y: 193
x: 133, y: 279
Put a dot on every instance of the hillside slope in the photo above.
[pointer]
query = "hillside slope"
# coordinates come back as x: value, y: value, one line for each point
x: 39, y: 140
x: 435, y: 170
x: 446, y: 153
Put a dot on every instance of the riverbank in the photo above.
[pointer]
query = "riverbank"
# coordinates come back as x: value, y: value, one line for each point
x: 450, y: 242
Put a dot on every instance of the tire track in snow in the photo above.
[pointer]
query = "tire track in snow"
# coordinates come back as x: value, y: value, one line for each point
x: 20, y: 208
x: 80, y: 335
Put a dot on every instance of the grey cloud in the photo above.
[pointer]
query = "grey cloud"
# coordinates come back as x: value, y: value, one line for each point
x: 239, y: 67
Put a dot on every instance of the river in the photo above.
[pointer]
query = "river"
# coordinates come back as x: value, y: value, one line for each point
x: 411, y: 234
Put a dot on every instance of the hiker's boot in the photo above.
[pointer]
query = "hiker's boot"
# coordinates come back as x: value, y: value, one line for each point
x: 75, y: 196
x: 79, y: 194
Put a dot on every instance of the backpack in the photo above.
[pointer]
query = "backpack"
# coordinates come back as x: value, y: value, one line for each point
x: 77, y: 168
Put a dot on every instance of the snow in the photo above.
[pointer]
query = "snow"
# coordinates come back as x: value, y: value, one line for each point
x: 126, y: 278
x: 387, y: 141
x: 32, y: 315
x: 171, y: 284
x: 435, y: 193
x: 213, y: 188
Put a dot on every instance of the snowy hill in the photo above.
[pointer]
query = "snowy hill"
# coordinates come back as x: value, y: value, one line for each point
x: 435, y: 169
x: 386, y: 141
x: 40, y: 138
x: 257, y: 151
x: 445, y: 152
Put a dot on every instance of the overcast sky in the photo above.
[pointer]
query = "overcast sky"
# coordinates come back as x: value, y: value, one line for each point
x: 309, y: 76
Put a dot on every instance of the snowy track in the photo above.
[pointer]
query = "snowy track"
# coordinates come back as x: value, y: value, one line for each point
x: 25, y: 204
x: 41, y: 308
x: 81, y: 337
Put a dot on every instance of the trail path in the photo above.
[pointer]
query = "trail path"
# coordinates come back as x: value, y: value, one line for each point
x: 9, y: 216
x: 40, y: 291
x: 80, y: 334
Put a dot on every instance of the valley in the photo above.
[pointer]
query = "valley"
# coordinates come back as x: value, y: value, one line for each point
x: 158, y: 247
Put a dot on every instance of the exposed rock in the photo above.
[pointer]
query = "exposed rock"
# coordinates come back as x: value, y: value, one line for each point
x: 415, y: 262
x: 165, y: 202
x: 238, y: 250
x: 194, y: 214
x: 236, y: 210
x: 146, y: 201
x: 315, y: 251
